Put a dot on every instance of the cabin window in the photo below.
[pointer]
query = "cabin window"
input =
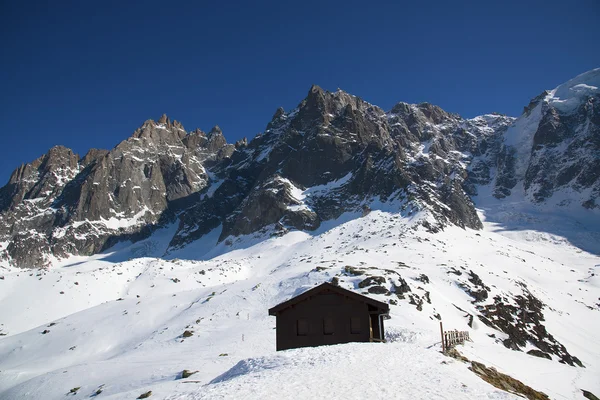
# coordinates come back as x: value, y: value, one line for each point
x: 328, y: 326
x: 302, y: 327
x: 355, y: 325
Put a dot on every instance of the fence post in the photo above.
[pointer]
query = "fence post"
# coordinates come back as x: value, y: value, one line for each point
x: 443, y: 338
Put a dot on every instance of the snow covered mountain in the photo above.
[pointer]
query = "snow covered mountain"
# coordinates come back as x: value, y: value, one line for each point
x: 333, y: 153
x: 61, y: 204
x: 490, y: 224
x: 552, y: 153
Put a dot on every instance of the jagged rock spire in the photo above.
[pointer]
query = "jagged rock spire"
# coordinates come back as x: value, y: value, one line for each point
x: 216, y: 140
x: 241, y: 143
x: 164, y: 120
x: 280, y: 111
x: 315, y: 89
x: 216, y: 130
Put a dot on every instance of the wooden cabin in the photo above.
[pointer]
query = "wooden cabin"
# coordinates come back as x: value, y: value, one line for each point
x: 328, y: 314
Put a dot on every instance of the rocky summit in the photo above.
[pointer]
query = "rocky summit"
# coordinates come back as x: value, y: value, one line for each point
x: 334, y: 153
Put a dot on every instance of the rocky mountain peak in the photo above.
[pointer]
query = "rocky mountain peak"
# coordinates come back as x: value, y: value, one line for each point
x: 315, y: 89
x: 215, y: 130
x: 216, y: 139
x: 58, y: 160
x: 279, y: 119
x: 279, y: 113
x: 195, y: 139
x: 41, y: 180
x: 164, y: 120
x: 59, y: 157
x: 434, y: 113
x: 571, y: 95
x: 160, y: 132
x: 178, y: 125
x: 400, y: 108
x: 92, y: 156
x: 314, y: 103
x: 320, y: 108
x: 334, y: 153
x: 198, y: 132
x: 535, y: 101
x: 241, y: 143
x: 552, y: 148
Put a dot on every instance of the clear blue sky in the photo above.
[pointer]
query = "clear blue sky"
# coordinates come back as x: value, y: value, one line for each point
x: 86, y: 76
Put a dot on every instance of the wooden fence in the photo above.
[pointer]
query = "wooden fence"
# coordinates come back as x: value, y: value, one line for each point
x: 452, y: 338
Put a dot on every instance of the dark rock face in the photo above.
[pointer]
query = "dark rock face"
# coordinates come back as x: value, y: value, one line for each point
x: 502, y: 381
x: 523, y: 323
x: 332, y: 154
x: 370, y: 281
x: 538, y: 353
x: 336, y: 153
x: 40, y: 179
x: 565, y: 153
x: 268, y: 204
x: 401, y: 288
x: 554, y: 147
x: 62, y: 204
x: 475, y: 288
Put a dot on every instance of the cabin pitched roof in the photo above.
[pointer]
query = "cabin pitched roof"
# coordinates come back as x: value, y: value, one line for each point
x: 382, y: 307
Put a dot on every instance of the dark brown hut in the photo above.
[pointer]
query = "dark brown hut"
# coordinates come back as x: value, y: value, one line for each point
x: 328, y: 314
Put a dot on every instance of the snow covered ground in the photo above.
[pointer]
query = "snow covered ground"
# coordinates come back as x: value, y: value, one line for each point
x: 351, y: 371
x: 115, y: 322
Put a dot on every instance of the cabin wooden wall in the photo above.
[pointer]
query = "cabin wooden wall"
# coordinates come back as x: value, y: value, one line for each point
x: 340, y: 309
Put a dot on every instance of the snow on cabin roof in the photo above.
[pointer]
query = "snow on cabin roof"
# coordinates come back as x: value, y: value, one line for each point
x: 383, y: 308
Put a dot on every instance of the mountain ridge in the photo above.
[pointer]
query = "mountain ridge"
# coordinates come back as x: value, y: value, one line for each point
x: 416, y: 155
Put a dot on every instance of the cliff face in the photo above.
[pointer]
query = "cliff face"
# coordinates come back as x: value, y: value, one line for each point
x: 62, y: 204
x: 552, y: 152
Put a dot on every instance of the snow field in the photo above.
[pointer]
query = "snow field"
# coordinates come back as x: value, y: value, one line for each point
x: 135, y: 344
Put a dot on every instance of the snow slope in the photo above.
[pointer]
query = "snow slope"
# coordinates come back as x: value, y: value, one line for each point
x: 118, y: 324
x: 352, y: 371
x: 569, y: 95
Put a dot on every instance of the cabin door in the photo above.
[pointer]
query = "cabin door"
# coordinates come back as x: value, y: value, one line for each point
x: 375, y: 328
